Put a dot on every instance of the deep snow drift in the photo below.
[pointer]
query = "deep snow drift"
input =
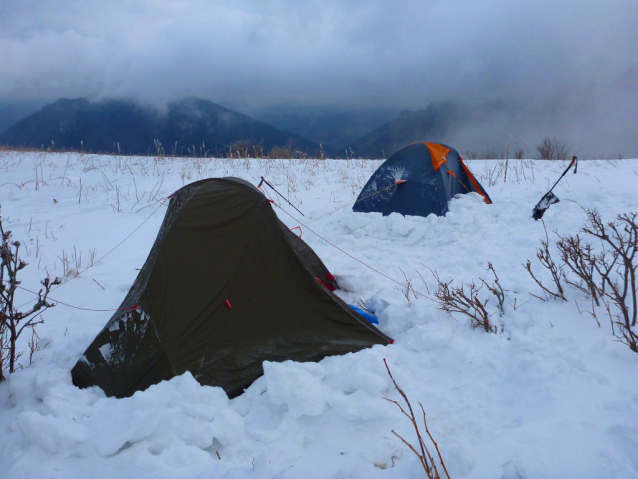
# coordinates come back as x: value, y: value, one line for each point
x: 553, y: 395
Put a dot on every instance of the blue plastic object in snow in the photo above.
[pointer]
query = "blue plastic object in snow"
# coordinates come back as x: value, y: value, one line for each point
x: 371, y: 318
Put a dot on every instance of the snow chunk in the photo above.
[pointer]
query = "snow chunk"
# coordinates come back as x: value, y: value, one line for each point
x: 297, y: 385
x: 399, y: 224
x: 356, y: 222
x: 228, y: 427
x: 105, y: 351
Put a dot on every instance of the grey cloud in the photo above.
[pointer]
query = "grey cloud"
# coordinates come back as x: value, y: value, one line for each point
x: 562, y: 67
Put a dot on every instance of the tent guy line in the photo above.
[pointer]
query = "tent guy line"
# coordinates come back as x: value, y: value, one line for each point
x: 162, y: 203
x: 70, y: 305
x: 302, y: 224
x: 278, y: 206
x: 387, y: 188
x: 356, y: 259
x: 101, y: 258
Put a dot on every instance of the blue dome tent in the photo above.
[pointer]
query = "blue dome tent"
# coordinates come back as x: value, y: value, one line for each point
x: 418, y: 180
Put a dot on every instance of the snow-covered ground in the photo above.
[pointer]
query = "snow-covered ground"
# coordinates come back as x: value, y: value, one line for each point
x: 552, y: 396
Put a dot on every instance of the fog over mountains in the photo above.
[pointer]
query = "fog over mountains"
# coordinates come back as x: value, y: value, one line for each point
x: 522, y: 69
x: 191, y: 124
x: 325, y: 124
x: 186, y: 127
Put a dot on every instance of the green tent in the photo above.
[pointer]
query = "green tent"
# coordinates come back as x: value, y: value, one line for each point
x: 226, y: 287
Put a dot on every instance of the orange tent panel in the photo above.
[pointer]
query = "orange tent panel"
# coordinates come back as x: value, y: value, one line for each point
x: 438, y: 153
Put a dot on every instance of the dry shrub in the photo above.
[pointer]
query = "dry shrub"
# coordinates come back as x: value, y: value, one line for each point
x: 279, y: 152
x: 579, y: 257
x: 12, y: 321
x: 465, y: 299
x: 556, y: 271
x: 551, y: 148
x: 614, y: 271
x: 607, y: 276
x: 620, y: 245
x: 427, y: 461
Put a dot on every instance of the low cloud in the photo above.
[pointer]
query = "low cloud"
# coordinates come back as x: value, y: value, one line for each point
x: 561, y: 67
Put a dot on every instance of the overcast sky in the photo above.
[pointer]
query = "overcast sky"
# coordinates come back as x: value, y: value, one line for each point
x: 568, y: 64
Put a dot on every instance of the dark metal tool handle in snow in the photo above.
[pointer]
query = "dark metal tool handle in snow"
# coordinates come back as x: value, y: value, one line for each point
x: 263, y: 180
x: 550, y: 198
x: 572, y: 163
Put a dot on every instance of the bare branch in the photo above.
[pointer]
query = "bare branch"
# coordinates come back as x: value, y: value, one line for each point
x: 455, y: 299
x: 616, y: 265
x: 545, y: 258
x: 429, y: 466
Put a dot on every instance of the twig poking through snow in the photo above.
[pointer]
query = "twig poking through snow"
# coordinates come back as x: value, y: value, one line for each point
x: 429, y: 466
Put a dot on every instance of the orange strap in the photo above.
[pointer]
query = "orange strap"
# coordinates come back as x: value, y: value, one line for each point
x: 474, y: 182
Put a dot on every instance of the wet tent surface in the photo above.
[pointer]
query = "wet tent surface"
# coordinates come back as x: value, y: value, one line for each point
x: 223, y: 290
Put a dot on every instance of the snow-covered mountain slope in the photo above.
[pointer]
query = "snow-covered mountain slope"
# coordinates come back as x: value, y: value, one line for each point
x: 551, y: 396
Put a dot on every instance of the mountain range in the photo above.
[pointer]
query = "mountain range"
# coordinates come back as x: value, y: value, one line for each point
x: 131, y: 128
x: 199, y: 126
x: 432, y: 124
x: 337, y: 126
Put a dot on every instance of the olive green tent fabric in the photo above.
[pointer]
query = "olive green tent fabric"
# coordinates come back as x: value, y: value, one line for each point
x: 225, y: 287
